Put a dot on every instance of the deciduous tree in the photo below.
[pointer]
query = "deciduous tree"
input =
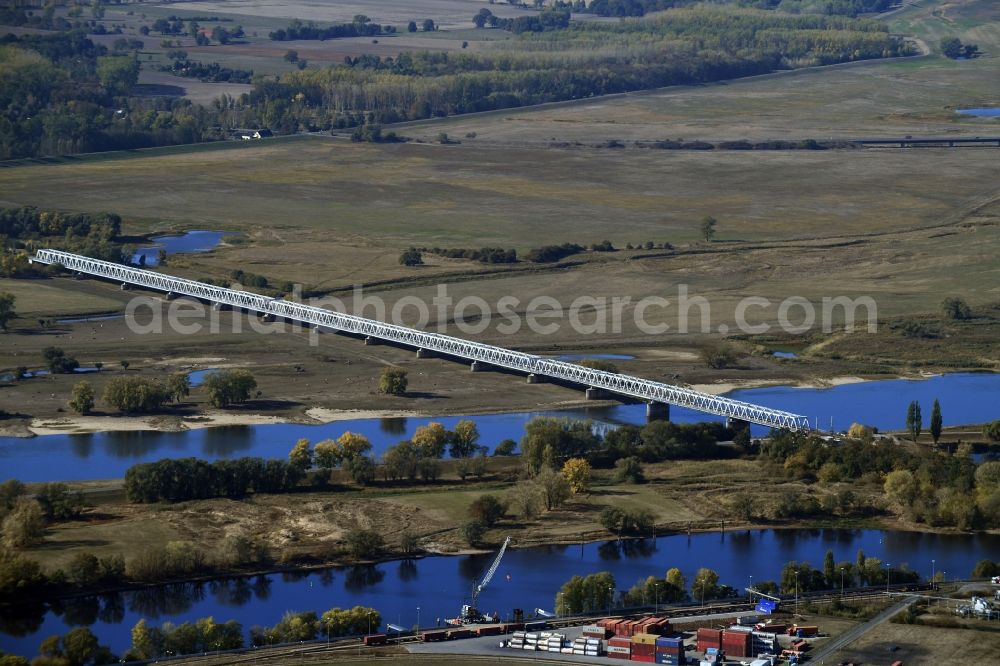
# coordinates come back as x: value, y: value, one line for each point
x: 708, y: 224
x: 393, y: 381
x: 82, y: 398
x: 7, y: 311
x: 577, y: 472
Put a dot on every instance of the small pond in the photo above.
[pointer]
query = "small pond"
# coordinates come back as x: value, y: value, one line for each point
x: 189, y: 241
x: 981, y: 113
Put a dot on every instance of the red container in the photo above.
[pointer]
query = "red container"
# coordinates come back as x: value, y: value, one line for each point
x: 710, y: 634
x: 429, y: 636
x: 736, y: 648
x: 512, y: 627
x: 619, y: 655
x: 646, y: 658
x: 619, y: 641
x: 375, y: 639
x: 460, y: 633
x: 644, y: 650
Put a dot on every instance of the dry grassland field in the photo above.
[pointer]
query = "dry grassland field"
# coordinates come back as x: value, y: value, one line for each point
x: 916, y: 645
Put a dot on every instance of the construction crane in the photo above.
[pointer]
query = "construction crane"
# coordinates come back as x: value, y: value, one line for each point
x: 470, y: 613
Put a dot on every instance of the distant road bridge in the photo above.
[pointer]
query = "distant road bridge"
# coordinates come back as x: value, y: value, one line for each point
x: 930, y: 141
x: 598, y: 383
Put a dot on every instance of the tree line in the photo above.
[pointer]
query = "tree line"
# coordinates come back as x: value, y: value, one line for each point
x: 25, y: 228
x: 549, y: 19
x: 598, y: 592
x: 361, y: 26
x: 181, y: 479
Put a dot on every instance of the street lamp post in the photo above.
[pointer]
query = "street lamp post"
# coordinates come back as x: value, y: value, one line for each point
x: 418, y: 617
x: 933, y: 574
x: 796, y: 592
x: 611, y: 598
x: 841, y: 581
x: 887, y: 570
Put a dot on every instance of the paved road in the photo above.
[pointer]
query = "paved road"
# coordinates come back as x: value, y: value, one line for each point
x: 857, y: 632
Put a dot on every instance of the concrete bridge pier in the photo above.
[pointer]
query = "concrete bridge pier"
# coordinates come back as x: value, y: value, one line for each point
x: 124, y: 286
x: 536, y: 379
x: 598, y: 394
x: 657, y: 411
x: 169, y: 296
x: 424, y: 353
x: 478, y: 366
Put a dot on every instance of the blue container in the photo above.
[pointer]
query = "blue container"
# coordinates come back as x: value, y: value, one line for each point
x: 669, y: 642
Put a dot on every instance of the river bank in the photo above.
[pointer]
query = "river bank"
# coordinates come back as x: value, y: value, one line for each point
x: 311, y: 415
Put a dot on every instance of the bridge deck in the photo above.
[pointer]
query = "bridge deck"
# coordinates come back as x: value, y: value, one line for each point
x: 625, y: 385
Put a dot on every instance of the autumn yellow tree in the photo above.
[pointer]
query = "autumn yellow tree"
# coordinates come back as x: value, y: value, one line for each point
x: 430, y: 440
x: 577, y: 472
x: 333, y: 453
x: 301, y: 455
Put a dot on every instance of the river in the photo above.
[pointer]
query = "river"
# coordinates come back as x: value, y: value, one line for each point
x: 965, y: 398
x: 527, y: 578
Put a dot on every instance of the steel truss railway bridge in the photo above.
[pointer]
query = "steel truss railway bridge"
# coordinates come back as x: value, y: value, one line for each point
x: 599, y: 383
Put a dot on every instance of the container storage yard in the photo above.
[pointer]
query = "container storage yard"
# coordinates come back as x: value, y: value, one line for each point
x: 647, y: 639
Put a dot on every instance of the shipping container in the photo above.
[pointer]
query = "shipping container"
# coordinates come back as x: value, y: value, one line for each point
x: 643, y: 649
x: 537, y: 625
x: 428, y: 636
x: 619, y: 655
x: 645, y: 639
x: 375, y: 639
x: 648, y: 659
x: 512, y: 627
x: 460, y: 633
